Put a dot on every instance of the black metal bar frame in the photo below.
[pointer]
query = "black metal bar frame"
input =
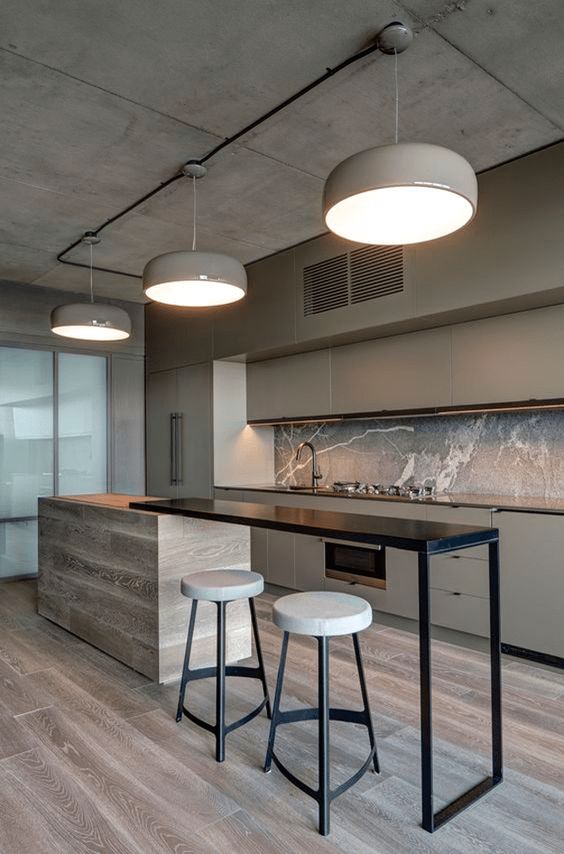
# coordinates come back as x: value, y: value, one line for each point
x: 431, y: 820
x: 220, y: 671
x: 324, y: 795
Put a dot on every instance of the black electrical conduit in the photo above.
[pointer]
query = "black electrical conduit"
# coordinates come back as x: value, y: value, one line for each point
x: 219, y: 147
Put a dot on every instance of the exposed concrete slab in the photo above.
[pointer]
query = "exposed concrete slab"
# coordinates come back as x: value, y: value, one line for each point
x: 215, y: 64
x: 136, y: 239
x: 66, y: 136
x: 43, y: 219
x: 520, y: 42
x: 168, y: 75
x: 66, y: 278
x: 444, y: 98
x: 23, y: 263
x: 247, y: 197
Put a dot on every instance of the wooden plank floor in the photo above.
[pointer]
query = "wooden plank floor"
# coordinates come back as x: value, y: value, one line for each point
x: 91, y: 759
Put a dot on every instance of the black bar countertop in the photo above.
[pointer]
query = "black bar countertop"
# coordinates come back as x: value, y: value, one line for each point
x: 408, y: 534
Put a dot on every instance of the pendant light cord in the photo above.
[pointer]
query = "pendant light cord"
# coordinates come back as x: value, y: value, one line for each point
x: 194, y: 214
x: 397, y: 92
x: 91, y: 284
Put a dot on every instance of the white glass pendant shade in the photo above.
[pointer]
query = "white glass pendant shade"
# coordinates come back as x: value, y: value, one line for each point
x: 91, y: 321
x: 190, y: 278
x: 400, y: 194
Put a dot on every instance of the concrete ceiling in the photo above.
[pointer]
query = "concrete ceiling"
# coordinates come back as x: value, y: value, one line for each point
x: 102, y: 101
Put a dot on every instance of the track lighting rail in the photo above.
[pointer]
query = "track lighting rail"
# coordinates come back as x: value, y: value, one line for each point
x: 221, y: 146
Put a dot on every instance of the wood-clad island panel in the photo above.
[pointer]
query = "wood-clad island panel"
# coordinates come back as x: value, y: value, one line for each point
x: 111, y: 576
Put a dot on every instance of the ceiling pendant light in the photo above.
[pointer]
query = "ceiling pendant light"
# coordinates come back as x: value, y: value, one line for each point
x: 91, y: 321
x: 402, y: 193
x: 191, y: 278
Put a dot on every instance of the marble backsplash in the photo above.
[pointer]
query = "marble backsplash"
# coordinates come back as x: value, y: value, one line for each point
x: 517, y: 454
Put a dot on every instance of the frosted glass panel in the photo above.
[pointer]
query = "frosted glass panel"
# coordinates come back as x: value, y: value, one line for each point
x: 18, y: 549
x: 26, y: 430
x: 82, y: 424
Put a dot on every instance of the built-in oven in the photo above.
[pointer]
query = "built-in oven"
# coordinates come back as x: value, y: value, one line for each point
x: 357, y: 564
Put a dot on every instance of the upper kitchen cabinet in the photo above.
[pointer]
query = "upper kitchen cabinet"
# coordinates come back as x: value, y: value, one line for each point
x: 404, y: 372
x: 510, y: 358
x: 264, y: 319
x: 344, y: 287
x: 512, y: 250
x: 289, y: 387
x: 177, y: 336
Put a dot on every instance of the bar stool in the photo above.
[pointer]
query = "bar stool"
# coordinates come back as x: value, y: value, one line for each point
x: 322, y: 615
x: 221, y: 586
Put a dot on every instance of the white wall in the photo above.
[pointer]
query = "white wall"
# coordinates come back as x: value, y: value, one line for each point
x: 242, y: 454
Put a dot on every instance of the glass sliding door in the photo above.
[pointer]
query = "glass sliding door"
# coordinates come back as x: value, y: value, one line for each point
x: 53, y: 441
x: 26, y: 453
x: 82, y: 424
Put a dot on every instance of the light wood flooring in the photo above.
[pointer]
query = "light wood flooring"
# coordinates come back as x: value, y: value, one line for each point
x: 91, y: 759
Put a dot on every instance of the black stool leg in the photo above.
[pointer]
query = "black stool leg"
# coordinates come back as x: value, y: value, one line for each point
x: 186, y: 666
x: 220, y: 685
x: 259, y: 657
x: 365, y: 702
x: 277, y: 696
x: 324, y: 787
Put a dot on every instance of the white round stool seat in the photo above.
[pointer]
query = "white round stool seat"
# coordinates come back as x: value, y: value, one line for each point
x: 322, y: 614
x: 222, y: 585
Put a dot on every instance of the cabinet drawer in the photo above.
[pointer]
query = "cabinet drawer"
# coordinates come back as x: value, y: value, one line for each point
x: 460, y: 574
x: 461, y: 612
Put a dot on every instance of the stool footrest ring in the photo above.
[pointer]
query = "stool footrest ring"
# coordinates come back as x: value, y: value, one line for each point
x: 235, y: 725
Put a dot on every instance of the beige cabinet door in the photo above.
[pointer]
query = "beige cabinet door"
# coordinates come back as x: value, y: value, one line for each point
x: 512, y: 248
x: 292, y: 386
x: 194, y: 405
x: 281, y: 559
x: 514, y: 357
x: 161, y: 403
x: 309, y: 561
x: 403, y: 372
x: 265, y: 318
x: 532, y: 580
x: 176, y: 336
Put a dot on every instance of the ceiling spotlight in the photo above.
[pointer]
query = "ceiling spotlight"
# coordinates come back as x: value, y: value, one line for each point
x: 401, y: 193
x: 192, y: 278
x: 91, y: 321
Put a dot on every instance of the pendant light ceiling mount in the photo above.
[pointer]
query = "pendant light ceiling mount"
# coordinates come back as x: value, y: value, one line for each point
x: 194, y: 169
x: 394, y: 38
x: 402, y: 193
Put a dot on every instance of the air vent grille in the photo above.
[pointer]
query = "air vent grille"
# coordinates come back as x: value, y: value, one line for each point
x: 376, y: 271
x: 367, y: 273
x: 326, y: 285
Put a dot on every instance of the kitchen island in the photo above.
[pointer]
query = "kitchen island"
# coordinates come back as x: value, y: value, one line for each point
x: 426, y: 539
x: 111, y: 575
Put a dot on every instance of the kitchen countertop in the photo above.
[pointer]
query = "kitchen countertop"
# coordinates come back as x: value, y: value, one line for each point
x: 524, y: 504
x: 408, y: 534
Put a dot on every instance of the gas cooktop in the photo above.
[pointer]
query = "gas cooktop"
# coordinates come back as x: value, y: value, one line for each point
x: 412, y: 490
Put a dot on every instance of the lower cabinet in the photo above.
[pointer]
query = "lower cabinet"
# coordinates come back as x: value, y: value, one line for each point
x: 532, y: 581
x: 532, y: 571
x: 280, y: 559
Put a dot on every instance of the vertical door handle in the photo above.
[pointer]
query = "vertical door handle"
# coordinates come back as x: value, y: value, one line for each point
x: 179, y: 473
x: 173, y: 468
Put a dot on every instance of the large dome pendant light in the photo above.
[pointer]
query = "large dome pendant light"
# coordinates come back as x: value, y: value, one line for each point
x: 91, y: 321
x: 191, y: 278
x: 402, y: 193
